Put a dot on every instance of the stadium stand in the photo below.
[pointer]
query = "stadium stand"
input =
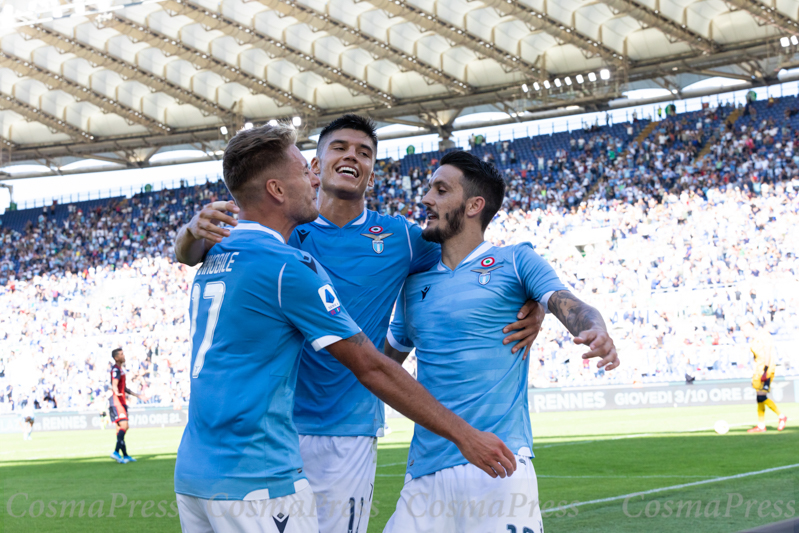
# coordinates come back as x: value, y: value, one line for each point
x: 679, y: 230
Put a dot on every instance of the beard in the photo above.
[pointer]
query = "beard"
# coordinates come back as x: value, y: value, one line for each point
x: 308, y: 215
x: 454, y: 225
x: 305, y: 213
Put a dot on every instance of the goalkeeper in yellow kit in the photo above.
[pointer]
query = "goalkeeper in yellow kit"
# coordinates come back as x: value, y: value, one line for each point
x: 763, y: 351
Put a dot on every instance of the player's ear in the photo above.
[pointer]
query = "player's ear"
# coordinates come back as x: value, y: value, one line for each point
x: 316, y: 166
x: 276, y: 190
x: 474, y: 206
x: 371, y: 179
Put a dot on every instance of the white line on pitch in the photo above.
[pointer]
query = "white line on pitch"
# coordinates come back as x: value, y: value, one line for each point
x: 589, y: 477
x: 623, y: 477
x: 675, y: 487
x: 391, y: 464
x: 637, y: 436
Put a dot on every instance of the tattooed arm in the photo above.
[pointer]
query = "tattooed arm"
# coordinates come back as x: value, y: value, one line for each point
x: 587, y: 326
x: 392, y: 384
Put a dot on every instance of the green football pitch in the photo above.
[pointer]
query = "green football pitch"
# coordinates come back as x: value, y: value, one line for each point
x: 615, y: 471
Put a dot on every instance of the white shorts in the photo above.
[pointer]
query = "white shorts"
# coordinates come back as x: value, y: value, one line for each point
x: 341, y: 471
x: 294, y: 513
x: 464, y: 499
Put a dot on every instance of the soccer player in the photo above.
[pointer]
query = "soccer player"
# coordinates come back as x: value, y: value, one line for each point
x: 254, y: 302
x: 765, y: 366
x: 368, y: 256
x: 452, y: 314
x: 118, y: 406
x: 28, y: 417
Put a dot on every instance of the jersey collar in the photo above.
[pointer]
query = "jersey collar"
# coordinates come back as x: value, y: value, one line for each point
x: 480, y: 250
x: 255, y: 226
x: 322, y: 221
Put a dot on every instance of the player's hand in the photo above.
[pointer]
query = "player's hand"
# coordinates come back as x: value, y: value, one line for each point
x: 205, y: 224
x: 764, y: 377
x: 600, y: 345
x: 487, y: 452
x: 527, y: 328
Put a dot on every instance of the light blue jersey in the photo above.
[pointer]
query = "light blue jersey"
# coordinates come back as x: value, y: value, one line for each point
x: 454, y: 319
x: 254, y: 302
x: 368, y: 260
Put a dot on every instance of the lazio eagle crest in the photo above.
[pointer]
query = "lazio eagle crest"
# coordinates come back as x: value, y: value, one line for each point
x: 377, y: 236
x: 488, y: 265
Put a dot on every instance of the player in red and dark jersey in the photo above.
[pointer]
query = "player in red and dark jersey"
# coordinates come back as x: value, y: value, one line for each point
x: 118, y: 408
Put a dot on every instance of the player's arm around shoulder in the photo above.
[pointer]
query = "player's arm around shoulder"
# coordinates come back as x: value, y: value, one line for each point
x: 392, y: 384
x: 394, y: 354
x: 586, y: 324
x: 537, y: 279
x: 397, y: 345
x: 201, y: 233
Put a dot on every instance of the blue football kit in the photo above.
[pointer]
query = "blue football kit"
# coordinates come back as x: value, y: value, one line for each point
x: 368, y: 259
x: 454, y: 319
x: 254, y: 302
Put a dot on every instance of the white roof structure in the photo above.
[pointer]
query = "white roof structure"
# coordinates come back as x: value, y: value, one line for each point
x: 117, y: 81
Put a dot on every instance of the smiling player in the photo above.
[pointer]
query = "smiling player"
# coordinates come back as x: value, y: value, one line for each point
x: 253, y: 303
x: 368, y: 256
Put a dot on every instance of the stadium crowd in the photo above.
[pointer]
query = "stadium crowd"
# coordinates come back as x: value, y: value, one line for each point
x: 676, y: 251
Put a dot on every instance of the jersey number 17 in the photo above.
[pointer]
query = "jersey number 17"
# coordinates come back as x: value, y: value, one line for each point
x: 214, y: 291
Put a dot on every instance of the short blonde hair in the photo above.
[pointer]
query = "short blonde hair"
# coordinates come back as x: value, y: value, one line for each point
x: 254, y: 151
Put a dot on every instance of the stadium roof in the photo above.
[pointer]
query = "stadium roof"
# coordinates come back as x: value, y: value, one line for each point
x: 118, y: 82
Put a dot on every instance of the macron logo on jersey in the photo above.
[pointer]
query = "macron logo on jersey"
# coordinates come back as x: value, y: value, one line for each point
x: 330, y: 300
x: 307, y: 261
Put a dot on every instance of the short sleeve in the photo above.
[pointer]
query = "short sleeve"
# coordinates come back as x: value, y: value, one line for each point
x: 397, y: 335
x: 536, y: 275
x: 424, y: 254
x: 308, y: 300
x: 115, y: 374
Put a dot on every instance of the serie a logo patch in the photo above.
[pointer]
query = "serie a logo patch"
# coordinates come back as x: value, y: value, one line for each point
x: 484, y: 274
x: 330, y: 300
x: 377, y: 236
